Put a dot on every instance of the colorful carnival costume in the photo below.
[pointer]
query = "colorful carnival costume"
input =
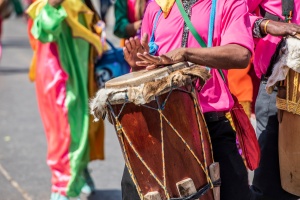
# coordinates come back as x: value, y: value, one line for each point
x: 62, y: 68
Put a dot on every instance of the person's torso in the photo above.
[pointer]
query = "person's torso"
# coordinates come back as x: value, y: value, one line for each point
x: 214, y: 96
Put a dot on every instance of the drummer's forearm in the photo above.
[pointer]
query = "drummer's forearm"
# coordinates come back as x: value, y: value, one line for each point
x: 230, y: 56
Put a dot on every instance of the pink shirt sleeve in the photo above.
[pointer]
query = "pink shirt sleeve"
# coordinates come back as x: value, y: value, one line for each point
x: 253, y: 5
x: 236, y: 27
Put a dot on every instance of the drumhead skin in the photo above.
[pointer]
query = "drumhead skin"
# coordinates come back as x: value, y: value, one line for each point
x: 143, y: 76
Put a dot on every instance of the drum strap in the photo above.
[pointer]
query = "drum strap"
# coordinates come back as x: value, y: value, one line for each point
x: 287, y: 11
x: 210, y: 29
x: 153, y: 47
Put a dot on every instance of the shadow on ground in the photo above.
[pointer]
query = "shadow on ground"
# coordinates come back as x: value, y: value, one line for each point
x: 12, y: 70
x: 106, y: 195
x: 16, y: 43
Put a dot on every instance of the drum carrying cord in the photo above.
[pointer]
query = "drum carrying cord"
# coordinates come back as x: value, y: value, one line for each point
x: 290, y: 102
x: 122, y: 134
x: 201, y: 192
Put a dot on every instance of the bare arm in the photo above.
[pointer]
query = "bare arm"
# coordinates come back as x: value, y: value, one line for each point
x: 223, y: 57
x: 132, y: 28
x: 279, y: 28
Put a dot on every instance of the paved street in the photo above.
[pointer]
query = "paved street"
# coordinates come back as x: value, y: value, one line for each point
x: 23, y: 170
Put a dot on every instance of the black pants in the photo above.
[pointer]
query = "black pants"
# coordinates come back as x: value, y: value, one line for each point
x: 233, y: 172
x: 266, y: 182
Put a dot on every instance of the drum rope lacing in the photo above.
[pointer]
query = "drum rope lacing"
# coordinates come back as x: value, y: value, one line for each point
x: 287, y: 104
x: 163, y: 184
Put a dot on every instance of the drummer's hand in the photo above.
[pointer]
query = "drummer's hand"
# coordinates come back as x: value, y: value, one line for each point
x: 152, y: 62
x: 134, y: 46
x: 279, y: 28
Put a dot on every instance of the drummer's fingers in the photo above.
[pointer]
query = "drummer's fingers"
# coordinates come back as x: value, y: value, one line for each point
x: 144, y: 42
x: 132, y: 43
x: 126, y: 53
x: 149, y: 67
x: 143, y: 57
x: 166, y: 60
x: 142, y: 63
x: 297, y: 27
x: 153, y: 59
x: 137, y: 42
x: 128, y: 45
x: 293, y: 29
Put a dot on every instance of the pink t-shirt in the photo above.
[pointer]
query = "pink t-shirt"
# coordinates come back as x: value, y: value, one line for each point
x: 265, y: 47
x: 232, y: 26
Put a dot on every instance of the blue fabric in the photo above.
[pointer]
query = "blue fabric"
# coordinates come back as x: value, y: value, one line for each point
x: 211, y: 25
x: 112, y: 64
x: 153, y: 47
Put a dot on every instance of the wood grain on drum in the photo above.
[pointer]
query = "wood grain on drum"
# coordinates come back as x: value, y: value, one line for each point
x: 142, y: 125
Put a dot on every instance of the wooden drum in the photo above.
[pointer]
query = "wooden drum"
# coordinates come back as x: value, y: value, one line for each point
x: 288, y: 104
x: 162, y: 132
x: 289, y: 132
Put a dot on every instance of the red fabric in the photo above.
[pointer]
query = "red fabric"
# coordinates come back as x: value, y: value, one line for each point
x: 246, y: 135
x: 51, y: 95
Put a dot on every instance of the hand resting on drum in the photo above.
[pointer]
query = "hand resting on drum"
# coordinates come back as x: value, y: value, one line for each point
x: 169, y: 58
x: 279, y: 28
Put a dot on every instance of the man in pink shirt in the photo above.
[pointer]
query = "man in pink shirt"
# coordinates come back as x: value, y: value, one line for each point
x: 266, y: 182
x: 233, y: 45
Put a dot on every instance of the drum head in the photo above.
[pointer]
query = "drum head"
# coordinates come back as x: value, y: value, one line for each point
x: 143, y: 76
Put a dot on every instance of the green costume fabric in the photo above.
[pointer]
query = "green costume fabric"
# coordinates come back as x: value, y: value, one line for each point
x: 50, y: 26
x: 121, y: 16
x: 18, y: 7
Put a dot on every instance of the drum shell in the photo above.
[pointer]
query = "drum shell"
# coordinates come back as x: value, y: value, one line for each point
x: 143, y: 127
x: 289, y: 135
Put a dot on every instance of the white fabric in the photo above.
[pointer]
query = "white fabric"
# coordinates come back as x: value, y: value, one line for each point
x: 290, y: 59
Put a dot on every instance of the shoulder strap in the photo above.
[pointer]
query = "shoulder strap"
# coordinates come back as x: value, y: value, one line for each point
x: 210, y: 28
x: 189, y: 24
x: 153, y: 47
x: 287, y: 9
x: 152, y: 38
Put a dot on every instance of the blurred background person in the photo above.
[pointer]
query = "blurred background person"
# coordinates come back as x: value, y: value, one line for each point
x: 104, y: 7
x: 271, y: 20
x: 240, y: 85
x: 128, y: 18
x: 65, y: 42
